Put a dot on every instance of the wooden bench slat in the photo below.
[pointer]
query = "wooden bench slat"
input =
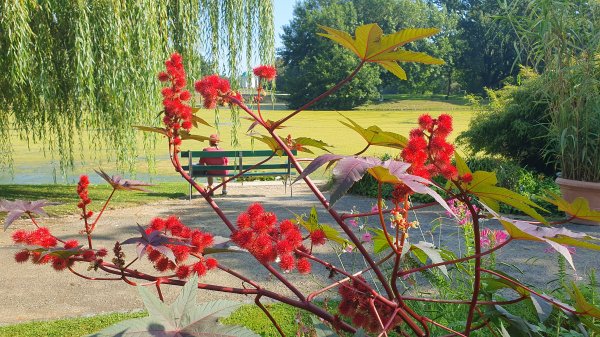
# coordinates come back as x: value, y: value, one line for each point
x: 231, y: 154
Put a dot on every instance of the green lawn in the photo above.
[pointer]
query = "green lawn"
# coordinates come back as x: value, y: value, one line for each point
x: 67, y: 197
x: 396, y: 113
x: 71, y: 327
x: 249, y: 316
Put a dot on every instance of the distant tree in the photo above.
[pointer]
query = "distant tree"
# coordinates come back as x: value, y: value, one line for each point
x: 312, y: 64
x: 484, y: 46
x: 75, y: 70
x: 307, y: 56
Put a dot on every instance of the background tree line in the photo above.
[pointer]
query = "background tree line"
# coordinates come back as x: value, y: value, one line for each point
x: 478, y: 49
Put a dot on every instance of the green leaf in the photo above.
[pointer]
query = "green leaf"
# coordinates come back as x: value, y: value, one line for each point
x: 375, y: 136
x: 370, y: 45
x: 305, y: 141
x: 520, y: 326
x: 151, y: 129
x: 197, y: 120
x: 360, y: 333
x: 579, y: 208
x: 461, y: 165
x: 431, y: 252
x: 186, y: 135
x: 312, y: 224
x: 380, y: 243
x: 183, y: 318
x: 556, y: 237
x: 322, y: 330
x: 271, y: 143
x: 581, y: 304
x: 483, y: 186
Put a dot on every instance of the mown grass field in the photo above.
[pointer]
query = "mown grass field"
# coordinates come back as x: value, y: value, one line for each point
x: 398, y: 113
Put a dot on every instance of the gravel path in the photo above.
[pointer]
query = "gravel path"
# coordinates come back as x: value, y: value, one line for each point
x: 33, y: 292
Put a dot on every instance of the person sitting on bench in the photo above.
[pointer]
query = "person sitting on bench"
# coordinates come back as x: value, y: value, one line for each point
x: 214, y: 146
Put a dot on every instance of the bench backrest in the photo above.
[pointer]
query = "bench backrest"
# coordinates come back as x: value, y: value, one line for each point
x: 238, y: 161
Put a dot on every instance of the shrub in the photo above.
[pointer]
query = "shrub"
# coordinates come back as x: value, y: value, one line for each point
x: 513, y: 124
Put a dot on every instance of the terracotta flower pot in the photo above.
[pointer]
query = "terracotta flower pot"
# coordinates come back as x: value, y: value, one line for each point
x: 572, y: 189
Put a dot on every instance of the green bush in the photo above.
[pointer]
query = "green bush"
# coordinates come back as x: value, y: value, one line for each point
x: 510, y: 175
x: 513, y: 124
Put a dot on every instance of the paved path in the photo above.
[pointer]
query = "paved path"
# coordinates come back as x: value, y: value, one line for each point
x: 31, y: 292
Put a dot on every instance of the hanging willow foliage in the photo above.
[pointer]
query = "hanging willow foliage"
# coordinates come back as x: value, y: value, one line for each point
x: 86, y: 68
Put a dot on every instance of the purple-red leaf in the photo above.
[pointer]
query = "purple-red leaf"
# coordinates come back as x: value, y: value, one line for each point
x: 118, y: 183
x: 155, y: 240
x: 19, y: 207
x: 318, y: 162
x: 348, y: 171
x: 394, y: 171
x: 553, y: 236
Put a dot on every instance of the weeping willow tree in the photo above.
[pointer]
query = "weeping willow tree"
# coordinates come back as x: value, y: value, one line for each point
x: 86, y: 68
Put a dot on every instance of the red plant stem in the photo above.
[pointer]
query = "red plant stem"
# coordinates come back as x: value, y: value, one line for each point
x: 477, y: 327
x: 238, y: 275
x: 37, y: 226
x: 285, y: 282
x: 160, y: 295
x: 390, y: 320
x: 486, y: 322
x: 382, y: 221
x: 320, y: 97
x: 366, y: 214
x: 262, y: 307
x: 258, y: 98
x: 466, y: 258
x: 225, y: 181
x: 363, y: 150
x: 349, y: 276
x: 477, y: 243
x: 93, y: 278
x: 87, y: 227
x: 130, y: 263
x: 545, y: 298
x: 32, y: 219
x: 454, y: 333
x: 315, y: 293
x: 372, y: 305
x: 435, y: 300
x: 202, y: 191
x: 93, y: 225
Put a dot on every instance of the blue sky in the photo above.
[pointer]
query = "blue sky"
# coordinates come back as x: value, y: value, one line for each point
x: 283, y: 10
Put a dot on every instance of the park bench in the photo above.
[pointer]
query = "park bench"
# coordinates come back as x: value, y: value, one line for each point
x: 241, y: 161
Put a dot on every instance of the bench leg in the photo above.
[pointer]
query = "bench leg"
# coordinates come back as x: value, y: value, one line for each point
x: 190, y: 191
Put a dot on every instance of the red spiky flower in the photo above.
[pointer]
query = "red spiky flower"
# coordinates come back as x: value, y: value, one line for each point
x: 265, y: 72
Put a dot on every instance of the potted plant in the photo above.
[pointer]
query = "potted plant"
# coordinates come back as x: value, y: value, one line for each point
x: 560, y: 39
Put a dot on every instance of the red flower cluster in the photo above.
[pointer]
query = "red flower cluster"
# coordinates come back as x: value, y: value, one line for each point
x: 265, y: 72
x: 82, y: 191
x: 178, y: 114
x: 215, y: 90
x: 197, y: 240
x: 41, y: 237
x: 259, y: 233
x: 318, y: 237
x: 427, y: 149
x: 355, y: 305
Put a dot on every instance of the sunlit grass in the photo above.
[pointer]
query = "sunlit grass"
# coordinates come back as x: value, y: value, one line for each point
x: 67, y: 198
x: 398, y: 114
